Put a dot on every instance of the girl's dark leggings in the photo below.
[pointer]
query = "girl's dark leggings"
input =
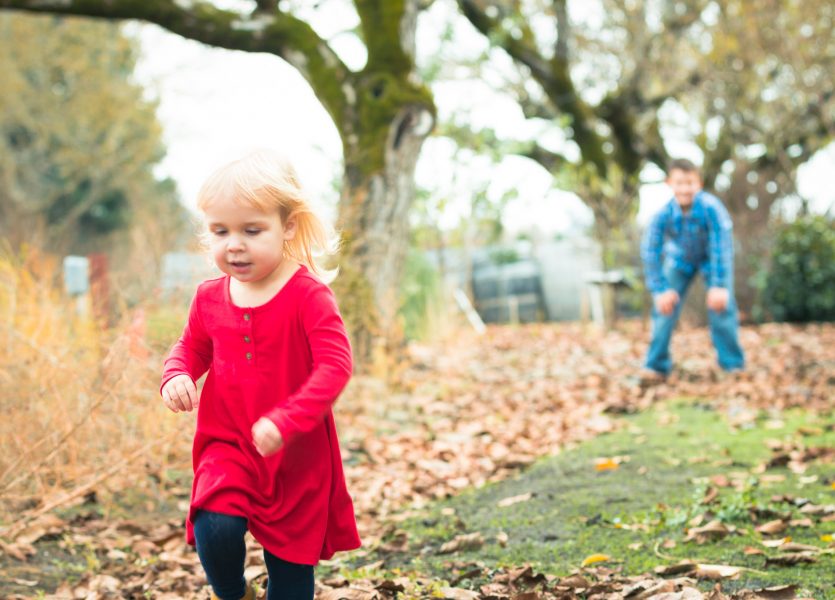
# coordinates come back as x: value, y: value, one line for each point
x: 222, y: 551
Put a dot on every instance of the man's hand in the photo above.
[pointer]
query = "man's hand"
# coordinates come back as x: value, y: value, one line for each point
x: 717, y: 299
x: 666, y: 302
x: 266, y: 437
x: 179, y: 393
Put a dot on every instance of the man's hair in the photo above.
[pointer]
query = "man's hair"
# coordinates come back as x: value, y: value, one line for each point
x: 683, y: 164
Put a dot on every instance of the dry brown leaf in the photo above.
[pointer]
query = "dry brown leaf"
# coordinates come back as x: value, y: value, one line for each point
x: 715, y: 572
x: 795, y: 547
x: 515, y: 500
x: 575, y: 581
x: 780, y: 592
x: 817, y: 509
x: 715, y: 530
x: 450, y: 593
x: 680, y: 568
x: 48, y: 524
x: 801, y: 523
x: 772, y: 527
x: 350, y: 593
x: 469, y: 541
x: 710, y: 495
x: 787, y: 560
x: 527, y: 596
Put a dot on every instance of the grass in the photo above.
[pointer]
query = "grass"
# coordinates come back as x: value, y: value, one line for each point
x: 626, y: 513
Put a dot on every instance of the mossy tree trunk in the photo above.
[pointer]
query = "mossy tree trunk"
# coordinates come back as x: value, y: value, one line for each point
x: 382, y: 113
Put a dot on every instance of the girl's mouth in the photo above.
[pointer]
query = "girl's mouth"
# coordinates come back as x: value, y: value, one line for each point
x: 240, y: 267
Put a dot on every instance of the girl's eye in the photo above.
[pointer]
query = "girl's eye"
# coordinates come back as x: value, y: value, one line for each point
x: 253, y: 231
x: 219, y: 232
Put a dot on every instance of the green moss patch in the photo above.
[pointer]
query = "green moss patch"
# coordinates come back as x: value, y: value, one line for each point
x: 640, y: 496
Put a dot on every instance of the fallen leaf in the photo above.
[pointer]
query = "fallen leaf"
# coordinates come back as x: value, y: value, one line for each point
x: 595, y: 558
x: 776, y: 543
x: 715, y: 530
x: 801, y: 523
x: 350, y: 593
x: 788, y: 560
x: 606, y: 464
x: 715, y: 572
x: 720, y: 481
x: 450, y: 593
x: 780, y: 592
x: 710, y: 495
x: 575, y: 581
x: 469, y: 541
x: 772, y: 527
x: 750, y: 550
x: 795, y: 547
x: 515, y: 500
x: 685, y: 566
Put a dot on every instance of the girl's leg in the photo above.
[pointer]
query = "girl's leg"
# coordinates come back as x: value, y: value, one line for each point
x: 222, y: 552
x: 288, y: 581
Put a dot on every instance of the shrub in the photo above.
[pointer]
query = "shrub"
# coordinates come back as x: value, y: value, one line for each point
x: 800, y: 285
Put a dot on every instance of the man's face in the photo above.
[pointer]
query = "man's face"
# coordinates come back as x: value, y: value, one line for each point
x: 685, y: 184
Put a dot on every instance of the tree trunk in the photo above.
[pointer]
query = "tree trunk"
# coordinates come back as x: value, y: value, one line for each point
x: 374, y: 222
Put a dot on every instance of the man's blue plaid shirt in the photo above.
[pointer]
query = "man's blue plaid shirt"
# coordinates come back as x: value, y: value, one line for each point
x: 701, y: 240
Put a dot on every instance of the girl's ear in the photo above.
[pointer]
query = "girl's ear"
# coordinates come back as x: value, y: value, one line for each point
x: 290, y: 228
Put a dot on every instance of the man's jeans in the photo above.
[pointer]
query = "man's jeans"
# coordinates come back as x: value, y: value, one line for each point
x: 723, y: 328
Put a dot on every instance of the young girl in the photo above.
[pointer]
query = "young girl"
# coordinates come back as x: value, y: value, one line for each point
x: 265, y: 456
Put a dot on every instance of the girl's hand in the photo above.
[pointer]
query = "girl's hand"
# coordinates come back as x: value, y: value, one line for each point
x: 179, y: 393
x: 266, y: 437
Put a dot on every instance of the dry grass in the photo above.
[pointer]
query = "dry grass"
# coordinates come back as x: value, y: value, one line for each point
x: 79, y: 401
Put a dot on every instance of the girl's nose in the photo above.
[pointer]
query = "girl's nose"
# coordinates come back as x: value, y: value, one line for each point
x: 234, y: 243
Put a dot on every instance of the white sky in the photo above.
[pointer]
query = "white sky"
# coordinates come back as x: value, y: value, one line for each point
x: 216, y: 104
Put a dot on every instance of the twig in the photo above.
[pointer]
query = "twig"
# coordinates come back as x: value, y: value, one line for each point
x: 26, y: 518
x: 58, y: 445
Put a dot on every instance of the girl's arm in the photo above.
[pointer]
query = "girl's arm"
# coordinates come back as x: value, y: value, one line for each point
x: 332, y: 367
x: 192, y: 354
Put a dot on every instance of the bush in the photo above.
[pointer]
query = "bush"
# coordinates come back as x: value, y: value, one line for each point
x: 800, y: 285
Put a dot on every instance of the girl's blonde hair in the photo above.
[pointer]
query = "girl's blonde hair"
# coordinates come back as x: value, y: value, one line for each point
x: 267, y: 181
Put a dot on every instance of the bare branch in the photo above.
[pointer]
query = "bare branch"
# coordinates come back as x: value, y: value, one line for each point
x: 263, y: 31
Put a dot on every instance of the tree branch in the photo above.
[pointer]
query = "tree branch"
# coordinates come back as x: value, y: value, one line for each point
x: 265, y: 30
x: 554, y: 76
x: 561, y: 48
x: 550, y: 161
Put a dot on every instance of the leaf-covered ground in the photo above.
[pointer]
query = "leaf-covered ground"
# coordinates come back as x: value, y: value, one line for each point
x: 461, y: 414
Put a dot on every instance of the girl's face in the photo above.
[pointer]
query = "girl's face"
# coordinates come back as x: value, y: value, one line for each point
x: 246, y: 243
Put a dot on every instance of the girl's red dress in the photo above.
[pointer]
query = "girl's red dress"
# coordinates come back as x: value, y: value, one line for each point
x: 287, y: 360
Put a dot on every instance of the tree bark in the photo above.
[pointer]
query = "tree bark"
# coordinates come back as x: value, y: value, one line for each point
x: 374, y: 221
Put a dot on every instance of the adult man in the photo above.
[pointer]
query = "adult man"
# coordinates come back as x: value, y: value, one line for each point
x: 691, y: 233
